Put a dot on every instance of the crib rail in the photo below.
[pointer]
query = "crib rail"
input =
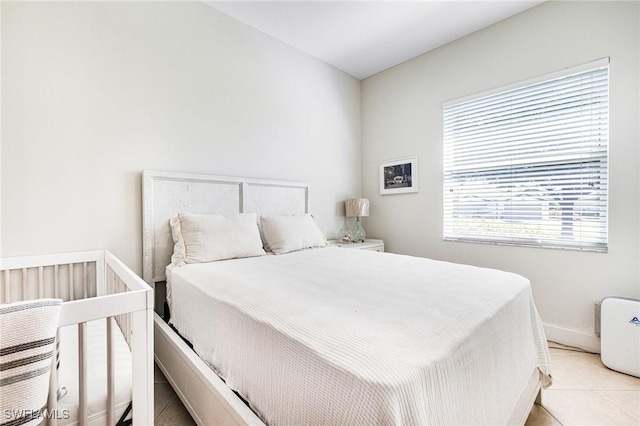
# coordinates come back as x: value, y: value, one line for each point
x: 70, y: 281
x: 93, y: 285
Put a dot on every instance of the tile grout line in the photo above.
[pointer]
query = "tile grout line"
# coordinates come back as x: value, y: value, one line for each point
x: 552, y: 416
x: 157, y: 415
x: 176, y: 405
x: 613, y: 401
x: 549, y: 412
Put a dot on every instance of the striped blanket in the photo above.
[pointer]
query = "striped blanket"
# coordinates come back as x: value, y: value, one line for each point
x: 27, y: 336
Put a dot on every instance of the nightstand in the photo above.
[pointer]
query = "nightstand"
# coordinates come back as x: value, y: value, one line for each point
x: 369, y: 244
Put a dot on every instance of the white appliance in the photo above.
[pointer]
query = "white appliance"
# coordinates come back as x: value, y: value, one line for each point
x: 620, y: 334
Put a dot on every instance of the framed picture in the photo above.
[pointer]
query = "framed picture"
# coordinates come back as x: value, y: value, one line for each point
x: 399, y: 176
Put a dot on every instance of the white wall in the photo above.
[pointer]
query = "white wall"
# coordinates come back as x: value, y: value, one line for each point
x: 93, y: 93
x: 402, y: 116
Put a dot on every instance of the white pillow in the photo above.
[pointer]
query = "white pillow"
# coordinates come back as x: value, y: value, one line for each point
x: 178, y: 256
x: 207, y: 238
x: 285, y: 234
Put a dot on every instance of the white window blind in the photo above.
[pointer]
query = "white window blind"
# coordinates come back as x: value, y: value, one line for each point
x: 528, y: 165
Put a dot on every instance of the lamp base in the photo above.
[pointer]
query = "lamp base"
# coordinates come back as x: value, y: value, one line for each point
x: 359, y: 234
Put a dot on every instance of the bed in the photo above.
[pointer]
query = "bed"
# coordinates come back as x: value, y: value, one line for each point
x: 333, y: 336
x: 103, y: 371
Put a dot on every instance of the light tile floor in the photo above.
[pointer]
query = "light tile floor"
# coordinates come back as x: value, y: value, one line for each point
x: 169, y: 410
x: 584, y: 392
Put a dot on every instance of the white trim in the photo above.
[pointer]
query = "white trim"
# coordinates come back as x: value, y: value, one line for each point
x: 569, y: 337
x: 602, y: 62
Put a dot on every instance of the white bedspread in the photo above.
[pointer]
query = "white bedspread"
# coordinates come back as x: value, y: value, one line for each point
x: 335, y: 336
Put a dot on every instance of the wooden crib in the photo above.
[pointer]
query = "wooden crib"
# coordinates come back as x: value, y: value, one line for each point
x: 94, y: 286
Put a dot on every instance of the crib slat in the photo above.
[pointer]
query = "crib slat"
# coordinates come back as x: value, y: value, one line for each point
x: 7, y: 286
x: 24, y: 284
x: 111, y: 372
x: 71, y: 281
x: 52, y: 400
x: 56, y: 281
x: 100, y: 276
x: 85, y: 279
x: 83, y: 412
x: 41, y: 282
x: 108, y: 283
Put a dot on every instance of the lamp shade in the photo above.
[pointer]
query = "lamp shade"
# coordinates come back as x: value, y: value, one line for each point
x: 357, y: 207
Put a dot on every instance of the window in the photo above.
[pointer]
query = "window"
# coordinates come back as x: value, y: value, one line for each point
x: 528, y: 165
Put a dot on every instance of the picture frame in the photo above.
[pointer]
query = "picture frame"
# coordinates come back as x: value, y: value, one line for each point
x: 399, y: 176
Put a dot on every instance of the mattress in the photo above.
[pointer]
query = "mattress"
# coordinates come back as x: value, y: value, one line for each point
x: 334, y: 336
x: 96, y: 373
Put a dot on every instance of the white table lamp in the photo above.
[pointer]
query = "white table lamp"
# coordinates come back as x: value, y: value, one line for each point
x: 357, y: 207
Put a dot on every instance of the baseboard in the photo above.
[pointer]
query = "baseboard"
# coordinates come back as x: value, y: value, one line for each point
x: 566, y: 336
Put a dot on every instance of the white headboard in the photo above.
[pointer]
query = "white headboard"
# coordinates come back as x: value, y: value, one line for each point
x: 166, y: 193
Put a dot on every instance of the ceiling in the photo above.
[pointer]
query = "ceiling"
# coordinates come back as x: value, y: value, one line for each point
x: 363, y: 38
